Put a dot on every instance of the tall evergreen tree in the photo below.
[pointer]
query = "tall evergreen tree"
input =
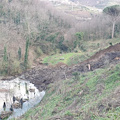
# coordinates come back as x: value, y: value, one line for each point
x: 5, y: 61
x: 26, y: 54
x: 114, y: 13
x: 79, y: 38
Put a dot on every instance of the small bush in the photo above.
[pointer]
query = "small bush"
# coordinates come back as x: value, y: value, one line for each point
x: 38, y: 51
x: 76, y: 75
x: 68, y: 113
x: 110, y: 43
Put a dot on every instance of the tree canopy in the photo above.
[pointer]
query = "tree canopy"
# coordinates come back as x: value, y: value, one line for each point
x: 113, y: 11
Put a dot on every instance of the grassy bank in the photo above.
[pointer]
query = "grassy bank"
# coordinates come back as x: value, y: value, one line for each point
x: 68, y: 58
x: 79, y: 98
x: 78, y: 56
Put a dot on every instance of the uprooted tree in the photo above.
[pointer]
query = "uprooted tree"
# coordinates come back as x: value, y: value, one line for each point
x: 114, y: 14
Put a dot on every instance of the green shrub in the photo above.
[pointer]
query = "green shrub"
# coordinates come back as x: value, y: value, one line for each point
x: 68, y: 113
x: 38, y: 51
x: 76, y: 75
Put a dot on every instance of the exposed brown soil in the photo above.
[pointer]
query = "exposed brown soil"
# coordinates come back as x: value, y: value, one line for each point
x: 44, y: 75
x: 101, y: 53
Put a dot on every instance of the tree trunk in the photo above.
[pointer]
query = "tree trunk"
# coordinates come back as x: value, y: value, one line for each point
x: 113, y: 29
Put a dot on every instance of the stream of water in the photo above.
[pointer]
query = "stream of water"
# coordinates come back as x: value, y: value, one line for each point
x: 19, y: 89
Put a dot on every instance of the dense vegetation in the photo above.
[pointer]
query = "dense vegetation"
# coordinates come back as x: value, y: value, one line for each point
x: 34, y: 32
x: 22, y: 21
x: 48, y: 30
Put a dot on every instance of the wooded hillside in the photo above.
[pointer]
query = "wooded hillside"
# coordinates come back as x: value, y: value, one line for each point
x: 47, y: 29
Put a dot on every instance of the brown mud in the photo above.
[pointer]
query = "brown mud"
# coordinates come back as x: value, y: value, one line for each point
x: 43, y: 75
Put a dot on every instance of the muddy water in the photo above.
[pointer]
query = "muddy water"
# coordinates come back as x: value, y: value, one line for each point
x: 20, y: 89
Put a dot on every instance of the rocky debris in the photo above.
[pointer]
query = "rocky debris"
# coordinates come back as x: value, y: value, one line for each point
x: 43, y: 75
x: 5, y: 114
x: 18, y: 99
x: 39, y: 61
x: 32, y: 90
x: 16, y: 105
x: 62, y: 58
x: 101, y: 53
x: 106, y: 59
x: 8, y: 78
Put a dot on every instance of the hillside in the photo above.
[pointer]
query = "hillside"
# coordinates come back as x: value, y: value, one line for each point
x: 49, y: 29
x: 29, y: 20
x: 77, y: 93
x: 98, y: 3
x: 89, y: 5
x: 66, y: 49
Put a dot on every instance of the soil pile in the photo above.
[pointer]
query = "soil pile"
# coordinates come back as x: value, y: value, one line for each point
x: 44, y: 75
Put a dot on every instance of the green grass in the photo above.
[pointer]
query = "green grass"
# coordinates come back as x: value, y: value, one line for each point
x: 63, y: 97
x: 91, y: 47
x: 64, y: 58
x: 111, y: 115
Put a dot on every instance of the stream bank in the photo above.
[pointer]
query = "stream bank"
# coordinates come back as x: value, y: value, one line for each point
x: 17, y: 97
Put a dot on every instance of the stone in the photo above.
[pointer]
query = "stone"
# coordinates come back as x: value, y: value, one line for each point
x: 62, y: 58
x: 17, y: 98
x: 16, y: 105
x: 32, y: 90
x: 5, y: 114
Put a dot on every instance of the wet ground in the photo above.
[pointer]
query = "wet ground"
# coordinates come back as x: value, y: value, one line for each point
x: 19, y: 89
